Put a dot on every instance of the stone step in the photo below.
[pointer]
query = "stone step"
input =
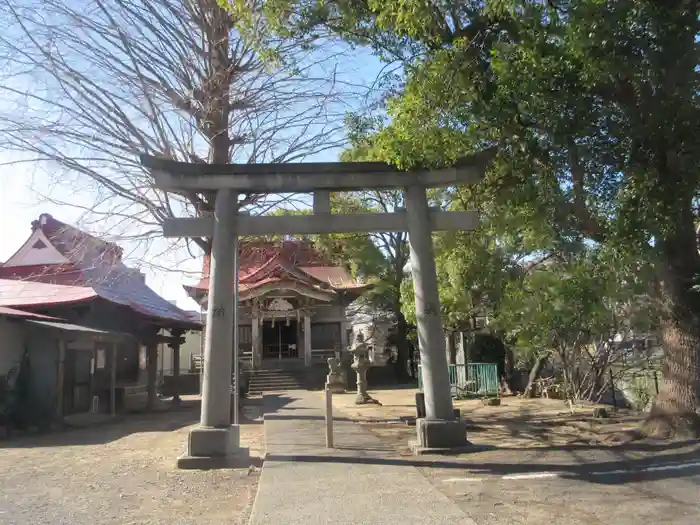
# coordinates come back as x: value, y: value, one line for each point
x: 268, y: 384
x: 264, y: 391
x: 276, y: 378
x: 275, y: 387
x: 278, y: 374
x: 271, y: 384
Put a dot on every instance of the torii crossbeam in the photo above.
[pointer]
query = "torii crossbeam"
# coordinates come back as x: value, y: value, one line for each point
x: 215, y: 442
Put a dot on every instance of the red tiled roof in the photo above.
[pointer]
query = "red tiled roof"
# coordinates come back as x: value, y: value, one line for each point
x: 66, y: 274
x: 95, y: 270
x: 28, y: 293
x: 13, y: 312
x: 263, y: 263
x: 336, y: 276
x: 121, y: 289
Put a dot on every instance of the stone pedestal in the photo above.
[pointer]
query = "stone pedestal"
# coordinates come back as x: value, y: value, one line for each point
x: 436, y: 436
x: 209, y: 448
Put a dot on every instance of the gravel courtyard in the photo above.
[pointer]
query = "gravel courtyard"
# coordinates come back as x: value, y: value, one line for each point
x: 122, y: 472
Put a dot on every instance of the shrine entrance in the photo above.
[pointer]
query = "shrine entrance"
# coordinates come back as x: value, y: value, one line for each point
x: 216, y: 441
x: 279, y: 339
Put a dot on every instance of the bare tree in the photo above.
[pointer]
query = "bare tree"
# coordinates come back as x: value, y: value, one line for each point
x: 87, y: 86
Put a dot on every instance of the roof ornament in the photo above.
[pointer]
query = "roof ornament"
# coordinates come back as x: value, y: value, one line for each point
x: 280, y: 305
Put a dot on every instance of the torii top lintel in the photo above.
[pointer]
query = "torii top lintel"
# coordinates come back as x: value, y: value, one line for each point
x: 307, y: 177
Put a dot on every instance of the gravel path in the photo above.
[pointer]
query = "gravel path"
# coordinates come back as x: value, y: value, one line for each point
x: 122, y: 473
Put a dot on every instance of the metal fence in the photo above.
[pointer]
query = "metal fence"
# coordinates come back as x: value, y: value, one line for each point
x: 470, y: 380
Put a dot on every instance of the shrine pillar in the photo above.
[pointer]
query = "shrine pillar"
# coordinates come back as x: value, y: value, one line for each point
x: 440, y: 428
x: 255, y: 334
x: 215, y: 442
x: 307, y: 340
x: 152, y: 373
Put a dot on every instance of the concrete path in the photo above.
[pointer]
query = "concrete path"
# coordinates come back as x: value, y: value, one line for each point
x: 357, y: 482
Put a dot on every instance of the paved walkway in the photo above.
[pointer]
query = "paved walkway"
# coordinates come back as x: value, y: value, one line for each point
x: 357, y: 482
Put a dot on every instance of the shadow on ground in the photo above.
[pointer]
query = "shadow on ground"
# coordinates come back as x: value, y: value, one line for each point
x: 104, y: 429
x: 109, y: 429
x: 617, y: 471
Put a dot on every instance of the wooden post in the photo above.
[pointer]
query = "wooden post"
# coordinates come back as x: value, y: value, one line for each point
x: 329, y: 418
x: 176, y: 371
x: 175, y: 346
x: 61, y: 375
x: 152, y: 368
x: 113, y: 381
x: 612, y: 387
x: 256, y: 357
x: 307, y: 340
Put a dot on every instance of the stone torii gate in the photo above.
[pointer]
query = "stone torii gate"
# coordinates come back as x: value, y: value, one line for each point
x: 215, y: 442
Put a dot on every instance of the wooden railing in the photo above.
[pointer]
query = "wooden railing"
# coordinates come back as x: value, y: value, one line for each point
x: 284, y: 351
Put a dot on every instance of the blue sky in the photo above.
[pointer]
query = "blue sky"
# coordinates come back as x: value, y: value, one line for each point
x: 28, y: 189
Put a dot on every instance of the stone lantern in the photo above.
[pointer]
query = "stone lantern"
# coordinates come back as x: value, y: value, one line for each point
x: 360, y: 351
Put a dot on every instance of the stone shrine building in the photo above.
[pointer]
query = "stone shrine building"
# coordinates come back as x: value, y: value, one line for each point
x: 293, y: 309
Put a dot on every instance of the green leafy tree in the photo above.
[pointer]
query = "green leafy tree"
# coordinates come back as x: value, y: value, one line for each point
x: 571, y: 309
x: 594, y: 109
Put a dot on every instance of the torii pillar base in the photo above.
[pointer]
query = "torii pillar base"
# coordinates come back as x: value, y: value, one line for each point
x: 440, y: 436
x: 214, y: 448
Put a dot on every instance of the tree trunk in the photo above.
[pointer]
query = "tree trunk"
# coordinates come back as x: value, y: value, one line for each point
x: 534, y: 374
x: 451, y: 348
x: 674, y: 411
x: 402, y: 348
x: 218, y: 83
x: 508, y: 366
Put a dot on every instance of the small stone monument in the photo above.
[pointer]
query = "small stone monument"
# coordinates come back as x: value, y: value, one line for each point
x: 361, y: 363
x: 336, y: 381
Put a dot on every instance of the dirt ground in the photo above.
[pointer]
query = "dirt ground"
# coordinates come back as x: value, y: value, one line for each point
x: 516, y: 424
x: 123, y: 472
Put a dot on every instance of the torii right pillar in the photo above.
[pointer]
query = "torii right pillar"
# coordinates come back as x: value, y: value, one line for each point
x: 440, y: 429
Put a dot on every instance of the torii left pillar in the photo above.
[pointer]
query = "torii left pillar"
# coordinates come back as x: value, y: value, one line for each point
x: 215, y: 443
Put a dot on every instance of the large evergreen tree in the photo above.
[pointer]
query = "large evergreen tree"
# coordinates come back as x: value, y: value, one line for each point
x: 593, y: 105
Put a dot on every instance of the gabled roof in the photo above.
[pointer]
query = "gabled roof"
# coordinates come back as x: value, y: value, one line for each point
x: 116, y: 290
x: 55, y: 242
x: 287, y: 263
x: 61, y: 264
